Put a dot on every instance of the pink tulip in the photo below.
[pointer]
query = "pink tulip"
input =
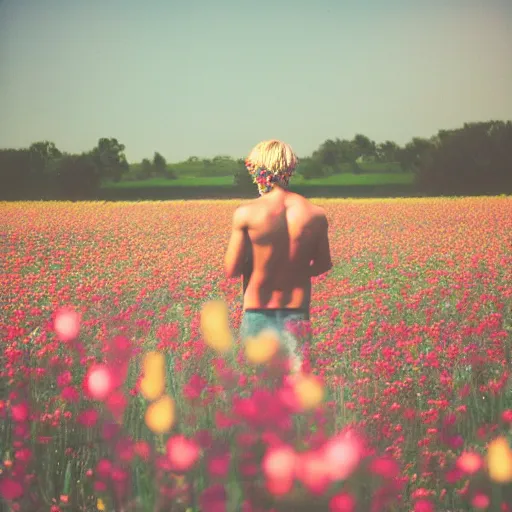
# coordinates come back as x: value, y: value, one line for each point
x: 279, y: 463
x: 342, y: 456
x: 313, y: 472
x: 98, y: 382
x: 66, y: 324
x: 183, y: 453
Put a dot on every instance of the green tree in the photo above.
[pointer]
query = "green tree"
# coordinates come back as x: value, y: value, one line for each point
x: 242, y: 179
x: 15, y: 173
x: 44, y: 158
x: 387, y: 151
x: 473, y: 159
x: 414, y: 152
x: 159, y: 165
x: 110, y: 159
x: 311, y: 168
x: 364, y: 147
x: 328, y: 154
x: 43, y: 154
x: 78, y: 176
x: 146, y: 169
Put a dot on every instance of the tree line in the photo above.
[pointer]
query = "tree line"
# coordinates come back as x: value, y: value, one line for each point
x: 473, y: 159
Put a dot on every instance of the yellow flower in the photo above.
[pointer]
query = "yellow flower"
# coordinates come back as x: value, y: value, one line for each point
x: 309, y: 391
x: 100, y: 505
x: 215, y: 326
x: 263, y: 348
x: 499, y: 460
x: 160, y: 415
x: 152, y: 385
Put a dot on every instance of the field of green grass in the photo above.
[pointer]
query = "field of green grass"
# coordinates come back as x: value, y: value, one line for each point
x: 379, y: 178
x: 180, y: 182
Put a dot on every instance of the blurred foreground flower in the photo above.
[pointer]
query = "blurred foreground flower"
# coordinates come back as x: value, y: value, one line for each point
x: 308, y: 389
x: 98, y: 382
x: 160, y: 415
x: 279, y: 469
x: 215, y: 326
x: 10, y: 489
x: 342, y: 502
x: 183, y: 453
x: 343, y: 453
x: 152, y: 385
x: 469, y: 462
x: 499, y: 460
x: 261, y: 349
x: 66, y: 324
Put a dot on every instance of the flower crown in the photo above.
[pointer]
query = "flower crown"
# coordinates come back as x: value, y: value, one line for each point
x: 265, y: 178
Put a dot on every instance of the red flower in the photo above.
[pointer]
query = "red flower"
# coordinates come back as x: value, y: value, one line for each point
x: 342, y: 502
x: 213, y: 499
x: 10, y: 489
x: 19, y: 412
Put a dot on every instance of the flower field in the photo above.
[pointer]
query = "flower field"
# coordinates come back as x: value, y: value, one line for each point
x: 118, y: 394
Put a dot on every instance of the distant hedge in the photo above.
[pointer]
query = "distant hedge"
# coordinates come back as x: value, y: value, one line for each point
x: 230, y: 192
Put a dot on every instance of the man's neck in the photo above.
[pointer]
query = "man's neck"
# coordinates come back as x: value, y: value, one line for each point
x: 276, y: 190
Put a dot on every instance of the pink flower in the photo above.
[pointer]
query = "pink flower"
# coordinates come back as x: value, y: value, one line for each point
x: 342, y: 502
x: 342, y: 456
x: 480, y: 500
x: 19, y: 412
x: 279, y: 486
x: 506, y: 416
x: 70, y: 394
x: 423, y: 506
x: 64, y: 379
x: 98, y: 382
x: 313, y: 472
x: 66, y: 324
x: 10, y: 489
x: 469, y: 462
x: 116, y: 403
x: 88, y: 418
x: 218, y: 464
x: 104, y: 469
x: 213, y: 499
x: 384, y: 467
x: 279, y: 463
x: 183, y: 453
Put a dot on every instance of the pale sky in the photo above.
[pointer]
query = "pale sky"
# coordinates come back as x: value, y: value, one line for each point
x: 206, y: 78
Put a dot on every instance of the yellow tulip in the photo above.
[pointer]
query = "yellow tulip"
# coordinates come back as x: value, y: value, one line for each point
x: 160, y: 415
x: 152, y: 385
x: 215, y: 326
x: 309, y: 391
x: 261, y: 349
x: 499, y: 460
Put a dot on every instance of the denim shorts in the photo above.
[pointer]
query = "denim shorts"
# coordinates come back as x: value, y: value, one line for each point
x: 287, y: 323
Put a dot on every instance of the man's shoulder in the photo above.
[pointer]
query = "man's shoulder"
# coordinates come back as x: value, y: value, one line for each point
x: 243, y: 213
x: 315, y: 210
x: 245, y: 207
x: 318, y: 216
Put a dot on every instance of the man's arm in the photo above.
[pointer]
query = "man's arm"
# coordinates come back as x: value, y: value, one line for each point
x: 248, y: 263
x: 235, y: 254
x: 322, y: 259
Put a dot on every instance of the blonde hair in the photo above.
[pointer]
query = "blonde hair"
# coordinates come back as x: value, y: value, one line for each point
x: 271, y: 162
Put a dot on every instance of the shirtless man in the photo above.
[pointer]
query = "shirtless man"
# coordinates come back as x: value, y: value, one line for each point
x: 278, y: 243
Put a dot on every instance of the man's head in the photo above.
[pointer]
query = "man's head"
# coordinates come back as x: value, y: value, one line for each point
x: 271, y: 163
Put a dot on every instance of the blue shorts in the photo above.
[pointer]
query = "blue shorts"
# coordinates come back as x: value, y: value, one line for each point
x: 287, y: 323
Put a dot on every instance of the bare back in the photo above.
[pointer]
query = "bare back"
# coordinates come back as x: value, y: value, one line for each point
x: 282, y: 236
